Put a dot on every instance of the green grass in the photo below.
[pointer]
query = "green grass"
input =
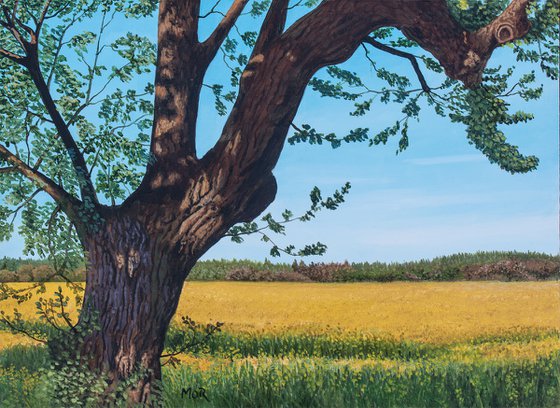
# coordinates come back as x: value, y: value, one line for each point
x: 20, y: 381
x: 355, y: 345
x: 309, y: 370
x: 306, y: 383
x: 316, y: 345
x: 31, y: 358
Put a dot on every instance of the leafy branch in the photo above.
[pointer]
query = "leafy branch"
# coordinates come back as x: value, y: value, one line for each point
x: 191, y: 337
x: 278, y: 226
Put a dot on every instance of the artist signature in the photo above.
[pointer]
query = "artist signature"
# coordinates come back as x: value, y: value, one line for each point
x: 194, y: 393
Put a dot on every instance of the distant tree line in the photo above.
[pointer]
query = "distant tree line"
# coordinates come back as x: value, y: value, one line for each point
x: 504, y: 266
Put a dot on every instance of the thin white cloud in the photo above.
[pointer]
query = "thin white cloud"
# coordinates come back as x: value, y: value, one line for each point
x: 368, y: 240
x: 433, y: 161
x: 441, y: 236
x: 390, y: 201
x: 515, y: 231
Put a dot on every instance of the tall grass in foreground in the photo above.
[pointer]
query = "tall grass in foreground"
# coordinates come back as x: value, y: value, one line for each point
x: 323, y: 383
x: 20, y: 379
x: 308, y: 384
x: 369, y: 347
x: 312, y: 377
x: 333, y: 346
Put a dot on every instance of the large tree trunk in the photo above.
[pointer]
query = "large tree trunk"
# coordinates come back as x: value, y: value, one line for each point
x: 134, y: 282
x: 139, y: 255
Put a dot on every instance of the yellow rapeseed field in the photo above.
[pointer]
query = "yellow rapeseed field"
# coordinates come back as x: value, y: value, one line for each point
x: 423, y: 311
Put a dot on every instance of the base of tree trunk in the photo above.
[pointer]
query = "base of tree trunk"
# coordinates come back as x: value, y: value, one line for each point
x: 132, y: 292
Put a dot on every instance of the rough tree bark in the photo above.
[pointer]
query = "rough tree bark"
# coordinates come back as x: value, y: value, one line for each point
x: 133, y: 284
x: 141, y: 251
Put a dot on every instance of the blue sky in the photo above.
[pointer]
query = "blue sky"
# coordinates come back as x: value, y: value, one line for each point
x: 440, y: 196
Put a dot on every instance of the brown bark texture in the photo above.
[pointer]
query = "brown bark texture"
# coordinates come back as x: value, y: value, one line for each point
x: 134, y: 286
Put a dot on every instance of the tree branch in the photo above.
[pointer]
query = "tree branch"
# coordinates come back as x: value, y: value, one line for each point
x: 7, y: 170
x: 58, y: 49
x: 464, y: 54
x: 43, y: 15
x: 273, y: 25
x: 180, y: 70
x: 272, y: 85
x: 9, y: 24
x: 21, y: 330
x: 80, y: 167
x: 31, y: 62
x: 213, y: 43
x: 402, y: 54
x: 67, y: 202
x: 24, y: 203
x: 212, y: 10
x: 11, y: 56
x: 26, y: 28
x: 179, y: 17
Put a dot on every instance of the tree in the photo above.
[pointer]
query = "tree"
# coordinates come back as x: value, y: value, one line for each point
x: 68, y: 118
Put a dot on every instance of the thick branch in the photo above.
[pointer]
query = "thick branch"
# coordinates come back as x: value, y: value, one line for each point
x: 179, y: 74
x: 273, y: 83
x: 464, y: 54
x: 179, y: 17
x: 273, y: 25
x: 11, y: 56
x: 26, y: 28
x: 401, y: 54
x: 213, y: 43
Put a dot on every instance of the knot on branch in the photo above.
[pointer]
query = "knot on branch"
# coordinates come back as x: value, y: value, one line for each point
x: 504, y: 33
x: 509, y: 26
x: 472, y: 59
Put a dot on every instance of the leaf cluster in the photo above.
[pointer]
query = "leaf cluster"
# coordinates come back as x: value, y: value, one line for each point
x: 188, y: 337
x: 278, y: 225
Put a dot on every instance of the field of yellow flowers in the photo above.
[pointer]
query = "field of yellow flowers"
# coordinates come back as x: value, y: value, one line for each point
x: 420, y: 311
x: 364, y: 344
